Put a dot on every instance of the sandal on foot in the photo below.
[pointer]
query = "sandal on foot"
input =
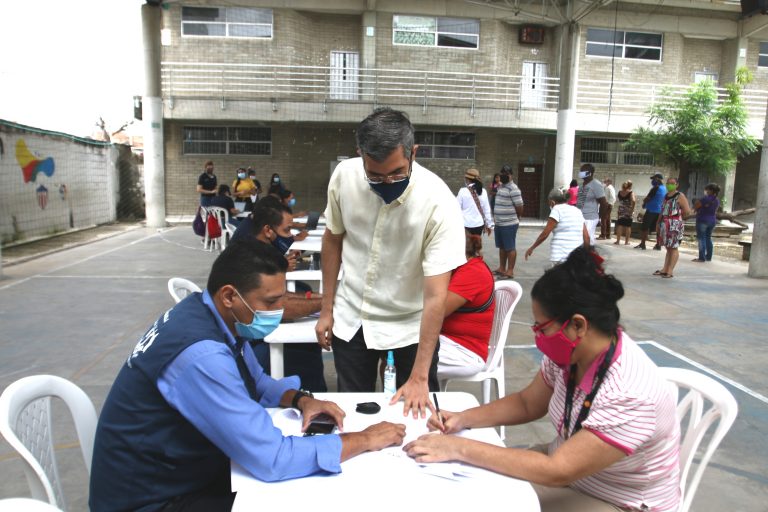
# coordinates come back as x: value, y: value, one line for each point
x: 667, y: 276
x: 659, y: 273
x: 698, y: 260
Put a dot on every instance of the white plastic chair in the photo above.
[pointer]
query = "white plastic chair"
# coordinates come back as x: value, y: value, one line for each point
x: 26, y: 505
x: 227, y: 230
x: 25, y: 423
x: 723, y: 407
x: 507, y: 294
x: 179, y: 288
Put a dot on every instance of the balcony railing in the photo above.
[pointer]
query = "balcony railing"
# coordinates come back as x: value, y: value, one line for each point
x: 377, y: 86
x: 600, y: 96
x: 426, y: 89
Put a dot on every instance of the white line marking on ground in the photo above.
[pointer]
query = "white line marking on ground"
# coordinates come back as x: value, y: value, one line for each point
x: 688, y: 360
x: 78, y: 261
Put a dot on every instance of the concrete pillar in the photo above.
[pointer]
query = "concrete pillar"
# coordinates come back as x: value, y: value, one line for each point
x: 738, y: 58
x: 566, y: 114
x: 368, y: 56
x: 152, y: 104
x: 758, y: 258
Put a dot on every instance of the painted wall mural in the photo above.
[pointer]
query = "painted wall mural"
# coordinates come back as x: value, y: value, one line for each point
x: 30, y: 164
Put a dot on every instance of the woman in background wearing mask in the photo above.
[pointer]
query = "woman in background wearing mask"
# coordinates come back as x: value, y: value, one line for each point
x: 243, y: 188
x: 670, y: 227
x: 706, y: 218
x: 275, y: 185
x: 617, y: 442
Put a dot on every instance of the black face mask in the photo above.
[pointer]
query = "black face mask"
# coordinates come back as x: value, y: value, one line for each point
x: 505, y: 178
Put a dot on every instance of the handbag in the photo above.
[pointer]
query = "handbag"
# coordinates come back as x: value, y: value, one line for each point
x: 198, y: 225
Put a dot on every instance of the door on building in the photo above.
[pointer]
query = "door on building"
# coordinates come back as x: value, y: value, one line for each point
x: 529, y: 177
x: 533, y: 87
x: 345, y: 75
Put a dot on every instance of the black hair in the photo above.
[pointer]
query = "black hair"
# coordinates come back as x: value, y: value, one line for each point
x: 223, y: 189
x: 574, y: 183
x: 579, y: 285
x: 275, y: 189
x: 243, y: 263
x: 285, y: 193
x: 382, y: 132
x: 272, y: 202
x: 272, y: 179
x: 506, y: 169
x: 478, y: 186
x: 264, y: 215
x: 714, y: 188
x: 589, y: 168
x: 473, y: 244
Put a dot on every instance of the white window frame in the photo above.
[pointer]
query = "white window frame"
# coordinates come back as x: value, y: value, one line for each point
x: 762, y: 54
x: 423, y: 147
x: 624, y: 45
x: 614, y: 153
x: 229, y: 23
x: 228, y: 141
x: 436, y: 32
x: 700, y: 76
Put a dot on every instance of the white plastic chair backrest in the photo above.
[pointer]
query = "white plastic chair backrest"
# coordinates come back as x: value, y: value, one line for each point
x: 723, y: 407
x: 222, y: 215
x: 25, y: 423
x: 506, y: 294
x: 179, y: 288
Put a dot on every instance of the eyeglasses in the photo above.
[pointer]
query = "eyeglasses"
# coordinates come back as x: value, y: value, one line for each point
x: 537, y: 328
x: 389, y: 178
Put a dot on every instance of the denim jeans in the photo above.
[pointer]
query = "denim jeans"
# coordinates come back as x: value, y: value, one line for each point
x: 704, y: 236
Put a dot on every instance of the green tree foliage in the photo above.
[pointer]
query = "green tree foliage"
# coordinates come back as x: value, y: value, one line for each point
x: 698, y: 131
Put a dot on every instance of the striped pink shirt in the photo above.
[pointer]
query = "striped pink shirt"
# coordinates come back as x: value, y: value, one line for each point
x: 635, y: 411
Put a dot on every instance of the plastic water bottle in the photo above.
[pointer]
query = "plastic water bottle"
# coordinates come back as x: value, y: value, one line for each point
x: 390, y: 374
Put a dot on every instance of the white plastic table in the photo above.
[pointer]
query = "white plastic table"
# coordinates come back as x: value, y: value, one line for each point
x: 302, y: 331
x: 387, y: 479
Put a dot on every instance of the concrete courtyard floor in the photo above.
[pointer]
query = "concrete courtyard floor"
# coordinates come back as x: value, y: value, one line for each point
x: 77, y: 312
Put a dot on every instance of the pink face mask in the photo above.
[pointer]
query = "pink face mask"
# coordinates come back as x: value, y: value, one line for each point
x: 558, y: 347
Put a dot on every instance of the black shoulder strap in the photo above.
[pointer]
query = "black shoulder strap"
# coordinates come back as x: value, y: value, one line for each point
x: 482, y: 307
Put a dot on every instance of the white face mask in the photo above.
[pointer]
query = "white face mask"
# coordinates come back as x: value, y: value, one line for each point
x: 583, y: 174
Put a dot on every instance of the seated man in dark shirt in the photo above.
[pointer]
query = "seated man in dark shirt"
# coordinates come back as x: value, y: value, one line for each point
x: 224, y: 200
x: 192, y: 397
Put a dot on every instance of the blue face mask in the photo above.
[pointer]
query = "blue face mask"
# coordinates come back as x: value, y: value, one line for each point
x: 390, y: 191
x: 263, y: 323
x: 291, y: 202
x: 241, y: 175
x: 282, y: 243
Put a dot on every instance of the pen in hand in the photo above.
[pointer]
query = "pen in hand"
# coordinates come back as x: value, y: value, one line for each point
x: 437, y: 410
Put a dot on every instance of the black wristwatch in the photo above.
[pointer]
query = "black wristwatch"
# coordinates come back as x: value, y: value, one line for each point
x: 298, y: 396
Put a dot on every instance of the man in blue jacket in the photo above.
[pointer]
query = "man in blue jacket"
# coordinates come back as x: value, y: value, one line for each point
x: 191, y: 397
x: 652, y: 204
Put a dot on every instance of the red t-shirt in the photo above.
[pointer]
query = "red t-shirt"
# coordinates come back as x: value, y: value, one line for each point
x: 474, y: 282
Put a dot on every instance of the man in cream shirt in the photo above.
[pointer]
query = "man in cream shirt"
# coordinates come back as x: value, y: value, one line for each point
x: 399, y: 231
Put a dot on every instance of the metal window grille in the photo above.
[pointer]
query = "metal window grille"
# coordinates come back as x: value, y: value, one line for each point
x: 611, y: 152
x: 446, y: 145
x: 233, y: 22
x: 432, y: 31
x: 624, y: 45
x: 227, y: 140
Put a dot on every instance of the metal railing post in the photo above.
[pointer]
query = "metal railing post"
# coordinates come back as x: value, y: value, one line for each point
x: 472, y: 109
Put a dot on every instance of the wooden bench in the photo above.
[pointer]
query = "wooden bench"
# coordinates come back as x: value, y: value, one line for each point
x: 746, y: 249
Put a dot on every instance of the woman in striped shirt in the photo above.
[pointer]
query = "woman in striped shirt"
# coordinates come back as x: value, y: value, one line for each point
x: 616, y: 446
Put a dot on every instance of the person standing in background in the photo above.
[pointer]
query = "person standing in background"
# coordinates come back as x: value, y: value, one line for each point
x: 605, y: 211
x: 591, y: 199
x: 671, y: 224
x: 652, y: 204
x: 573, y: 192
x: 243, y: 188
x: 706, y: 210
x: 509, y: 209
x: 207, y: 184
x: 474, y: 204
x: 495, y: 184
x: 627, y: 203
